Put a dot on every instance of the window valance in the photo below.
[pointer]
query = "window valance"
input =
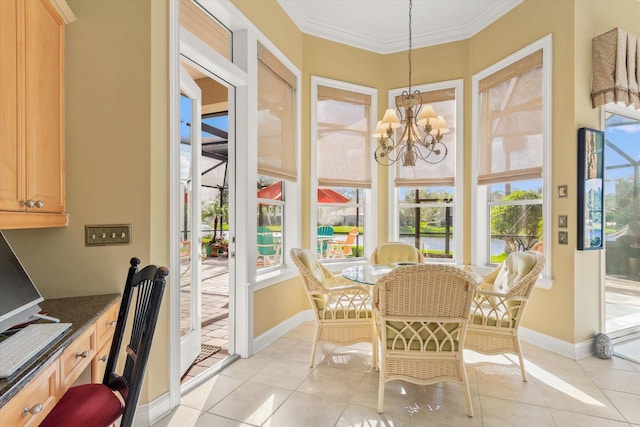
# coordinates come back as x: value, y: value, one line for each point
x: 616, y: 68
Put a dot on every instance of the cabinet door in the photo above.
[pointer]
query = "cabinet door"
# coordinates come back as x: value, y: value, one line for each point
x: 11, y: 155
x: 44, y: 49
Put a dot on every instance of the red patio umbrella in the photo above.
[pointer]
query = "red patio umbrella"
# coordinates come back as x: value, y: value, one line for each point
x: 325, y: 195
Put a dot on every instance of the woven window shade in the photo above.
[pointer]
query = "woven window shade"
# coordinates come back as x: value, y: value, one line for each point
x: 616, y: 68
x: 511, y: 122
x: 344, y: 138
x: 424, y: 174
x: 202, y: 25
x: 277, y: 156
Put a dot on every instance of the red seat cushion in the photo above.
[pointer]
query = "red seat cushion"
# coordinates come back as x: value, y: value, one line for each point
x: 88, y: 405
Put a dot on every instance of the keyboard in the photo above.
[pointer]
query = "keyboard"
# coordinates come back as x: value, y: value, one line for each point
x: 26, y: 344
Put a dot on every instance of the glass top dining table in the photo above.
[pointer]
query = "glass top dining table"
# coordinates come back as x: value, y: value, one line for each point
x: 367, y: 274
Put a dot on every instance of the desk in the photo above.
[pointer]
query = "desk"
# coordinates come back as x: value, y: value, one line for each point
x: 367, y: 274
x: 45, y: 380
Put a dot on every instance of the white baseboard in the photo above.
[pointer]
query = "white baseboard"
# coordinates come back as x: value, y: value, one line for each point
x: 269, y: 337
x: 564, y: 348
x: 149, y: 413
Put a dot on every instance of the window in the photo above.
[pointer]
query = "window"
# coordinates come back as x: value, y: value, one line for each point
x: 205, y: 27
x: 426, y: 195
x: 277, y: 157
x: 342, y: 120
x: 511, y: 145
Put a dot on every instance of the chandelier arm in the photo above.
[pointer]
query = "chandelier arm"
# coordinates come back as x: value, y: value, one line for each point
x: 411, y: 145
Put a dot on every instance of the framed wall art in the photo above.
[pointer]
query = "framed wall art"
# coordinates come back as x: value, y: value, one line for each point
x: 590, y: 189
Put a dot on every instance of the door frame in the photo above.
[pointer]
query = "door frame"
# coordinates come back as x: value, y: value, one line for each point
x: 190, y: 343
x: 181, y: 42
x: 623, y: 334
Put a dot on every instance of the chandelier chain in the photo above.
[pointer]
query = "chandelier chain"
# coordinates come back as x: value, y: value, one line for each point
x: 410, y: 44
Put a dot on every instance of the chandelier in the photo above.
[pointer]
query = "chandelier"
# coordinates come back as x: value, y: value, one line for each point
x: 417, y: 117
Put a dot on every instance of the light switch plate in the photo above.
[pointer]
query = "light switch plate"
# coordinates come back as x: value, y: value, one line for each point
x: 107, y: 234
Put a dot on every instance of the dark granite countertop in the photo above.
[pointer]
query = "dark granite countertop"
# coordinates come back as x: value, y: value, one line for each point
x: 81, y: 312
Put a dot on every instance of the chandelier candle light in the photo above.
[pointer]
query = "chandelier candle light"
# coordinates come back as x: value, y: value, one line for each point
x: 412, y: 145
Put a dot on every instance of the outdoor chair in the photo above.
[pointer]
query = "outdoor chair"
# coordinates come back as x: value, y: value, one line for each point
x: 342, y: 308
x: 421, y: 314
x: 392, y: 252
x: 324, y: 234
x: 499, y: 304
x: 100, y: 405
x: 342, y: 248
x: 268, y: 248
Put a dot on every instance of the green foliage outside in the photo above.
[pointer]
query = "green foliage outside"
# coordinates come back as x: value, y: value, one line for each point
x: 520, y: 226
x: 620, y: 206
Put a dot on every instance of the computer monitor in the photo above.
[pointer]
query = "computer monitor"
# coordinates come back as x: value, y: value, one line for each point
x: 19, y: 297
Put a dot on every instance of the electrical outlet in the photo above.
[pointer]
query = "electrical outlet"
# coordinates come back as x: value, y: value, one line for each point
x: 101, y: 235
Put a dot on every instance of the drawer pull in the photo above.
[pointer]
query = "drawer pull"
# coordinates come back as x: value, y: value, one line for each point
x: 84, y: 354
x: 112, y: 323
x: 104, y: 358
x: 35, y: 409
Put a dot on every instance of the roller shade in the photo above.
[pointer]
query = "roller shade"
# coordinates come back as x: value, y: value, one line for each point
x: 511, y: 122
x: 277, y: 156
x: 343, y: 138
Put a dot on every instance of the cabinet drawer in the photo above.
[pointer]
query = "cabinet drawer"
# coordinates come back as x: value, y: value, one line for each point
x: 78, y: 356
x: 99, y: 363
x: 40, y: 396
x: 106, y: 325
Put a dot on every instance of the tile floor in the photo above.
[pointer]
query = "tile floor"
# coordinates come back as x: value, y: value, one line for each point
x: 276, y: 388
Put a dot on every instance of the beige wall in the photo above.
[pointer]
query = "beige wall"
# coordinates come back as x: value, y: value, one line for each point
x: 592, y: 18
x: 116, y: 157
x: 549, y: 311
x: 117, y: 137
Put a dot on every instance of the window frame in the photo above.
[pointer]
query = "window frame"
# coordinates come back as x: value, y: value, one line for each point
x: 291, y: 203
x: 369, y: 195
x: 393, y: 226
x: 480, y: 198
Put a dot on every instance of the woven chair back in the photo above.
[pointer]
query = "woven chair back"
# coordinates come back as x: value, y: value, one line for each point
x: 425, y: 291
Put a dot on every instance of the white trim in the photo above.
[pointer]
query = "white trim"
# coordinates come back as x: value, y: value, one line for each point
x: 572, y: 351
x: 174, y: 204
x: 631, y: 113
x: 370, y: 195
x: 458, y: 189
x: 149, y: 413
x: 479, y: 250
x: 272, y: 335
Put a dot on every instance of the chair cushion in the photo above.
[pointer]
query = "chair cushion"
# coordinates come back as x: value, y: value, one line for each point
x: 389, y: 253
x: 310, y: 261
x: 85, y: 405
x: 515, y: 267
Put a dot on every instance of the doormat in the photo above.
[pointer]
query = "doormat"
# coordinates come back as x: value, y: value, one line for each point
x: 206, y: 350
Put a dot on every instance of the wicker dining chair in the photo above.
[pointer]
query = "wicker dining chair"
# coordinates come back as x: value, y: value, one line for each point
x: 392, y: 252
x: 342, y: 308
x: 499, y: 304
x: 421, y: 314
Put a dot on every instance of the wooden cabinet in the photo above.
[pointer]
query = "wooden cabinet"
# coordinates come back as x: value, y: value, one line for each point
x: 91, y: 339
x: 32, y: 404
x: 105, y: 328
x: 32, y: 168
x: 77, y: 357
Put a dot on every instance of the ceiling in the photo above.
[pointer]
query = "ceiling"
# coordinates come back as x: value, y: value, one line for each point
x: 382, y: 26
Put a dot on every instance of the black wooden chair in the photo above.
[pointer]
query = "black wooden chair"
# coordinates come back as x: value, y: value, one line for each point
x: 98, y: 404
